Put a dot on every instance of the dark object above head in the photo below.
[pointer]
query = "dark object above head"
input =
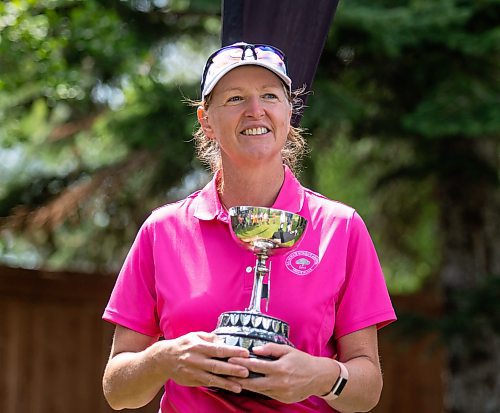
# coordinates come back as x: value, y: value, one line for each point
x: 298, y: 27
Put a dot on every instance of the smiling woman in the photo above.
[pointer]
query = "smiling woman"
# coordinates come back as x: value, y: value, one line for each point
x: 208, y: 149
x: 185, y: 269
x: 249, y: 118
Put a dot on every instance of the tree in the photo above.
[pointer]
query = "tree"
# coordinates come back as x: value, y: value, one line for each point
x: 418, y: 81
x: 94, y: 131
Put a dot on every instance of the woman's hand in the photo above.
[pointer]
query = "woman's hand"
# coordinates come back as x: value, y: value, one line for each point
x: 198, y: 359
x: 140, y: 365
x: 293, y: 377
x: 296, y: 375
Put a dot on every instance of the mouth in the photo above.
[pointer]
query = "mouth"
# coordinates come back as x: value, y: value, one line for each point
x: 255, y: 131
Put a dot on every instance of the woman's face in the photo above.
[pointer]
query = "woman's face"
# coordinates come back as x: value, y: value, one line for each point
x: 249, y: 116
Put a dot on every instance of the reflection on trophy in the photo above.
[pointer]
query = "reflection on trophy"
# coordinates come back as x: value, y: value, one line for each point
x: 266, y: 232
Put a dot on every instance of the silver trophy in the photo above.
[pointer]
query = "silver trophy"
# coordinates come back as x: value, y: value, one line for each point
x: 265, y: 232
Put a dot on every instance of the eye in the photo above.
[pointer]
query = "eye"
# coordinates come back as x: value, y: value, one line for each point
x: 234, y: 99
x: 271, y: 96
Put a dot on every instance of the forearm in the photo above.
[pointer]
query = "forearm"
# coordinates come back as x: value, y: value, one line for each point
x: 132, y: 380
x: 362, y: 391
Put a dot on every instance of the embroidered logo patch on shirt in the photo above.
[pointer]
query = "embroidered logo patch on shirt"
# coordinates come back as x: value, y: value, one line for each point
x: 302, y: 262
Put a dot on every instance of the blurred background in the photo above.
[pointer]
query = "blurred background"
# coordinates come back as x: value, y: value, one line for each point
x: 403, y: 125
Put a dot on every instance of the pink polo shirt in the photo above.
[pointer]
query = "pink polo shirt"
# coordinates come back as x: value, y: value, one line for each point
x: 184, y: 269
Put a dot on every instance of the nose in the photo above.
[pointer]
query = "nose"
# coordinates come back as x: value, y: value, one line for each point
x: 254, y: 107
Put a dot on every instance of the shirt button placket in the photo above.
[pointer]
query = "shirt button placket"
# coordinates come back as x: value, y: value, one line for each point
x: 248, y: 274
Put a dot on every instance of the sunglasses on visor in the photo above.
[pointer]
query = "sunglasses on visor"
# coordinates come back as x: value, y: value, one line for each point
x: 229, y: 54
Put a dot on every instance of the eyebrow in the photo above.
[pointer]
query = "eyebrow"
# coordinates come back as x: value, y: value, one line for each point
x: 239, y: 89
x: 232, y: 89
x: 272, y: 86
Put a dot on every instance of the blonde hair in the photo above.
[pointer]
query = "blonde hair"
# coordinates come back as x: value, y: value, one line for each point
x: 208, y: 150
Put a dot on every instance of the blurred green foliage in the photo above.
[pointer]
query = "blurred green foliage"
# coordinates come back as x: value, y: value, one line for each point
x: 93, y: 128
x: 405, y: 120
x: 94, y: 133
x: 476, y: 311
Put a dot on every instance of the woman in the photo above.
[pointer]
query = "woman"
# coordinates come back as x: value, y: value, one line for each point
x: 184, y: 269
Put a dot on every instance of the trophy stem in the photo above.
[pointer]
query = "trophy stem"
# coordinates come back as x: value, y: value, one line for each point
x: 259, y: 273
x: 265, y: 232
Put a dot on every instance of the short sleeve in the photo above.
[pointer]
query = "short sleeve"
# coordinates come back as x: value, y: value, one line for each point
x: 363, y: 300
x: 133, y: 300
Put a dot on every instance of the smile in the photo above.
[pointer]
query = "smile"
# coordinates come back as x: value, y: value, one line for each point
x: 255, y: 131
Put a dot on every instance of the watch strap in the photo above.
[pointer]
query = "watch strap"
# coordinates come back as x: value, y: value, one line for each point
x: 339, y: 384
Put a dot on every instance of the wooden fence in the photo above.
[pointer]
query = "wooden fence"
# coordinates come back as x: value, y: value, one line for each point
x: 54, y: 345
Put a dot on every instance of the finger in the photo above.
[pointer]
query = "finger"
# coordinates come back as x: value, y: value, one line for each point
x: 272, y: 350
x: 224, y: 351
x: 213, y: 346
x: 210, y: 337
x: 222, y: 368
x: 211, y: 380
x: 253, y: 364
x: 258, y: 385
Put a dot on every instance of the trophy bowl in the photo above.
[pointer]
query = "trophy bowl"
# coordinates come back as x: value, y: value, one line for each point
x: 266, y: 229
x: 265, y: 232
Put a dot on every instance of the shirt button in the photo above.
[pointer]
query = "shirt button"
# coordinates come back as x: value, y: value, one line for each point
x: 249, y: 269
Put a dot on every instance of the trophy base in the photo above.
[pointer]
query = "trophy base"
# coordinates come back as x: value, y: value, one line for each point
x: 249, y: 329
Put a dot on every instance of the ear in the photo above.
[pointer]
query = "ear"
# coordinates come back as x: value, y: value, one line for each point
x: 204, y: 123
x: 290, y: 115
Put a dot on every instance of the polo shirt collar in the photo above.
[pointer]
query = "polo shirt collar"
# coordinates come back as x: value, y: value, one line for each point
x: 208, y: 205
x: 290, y: 198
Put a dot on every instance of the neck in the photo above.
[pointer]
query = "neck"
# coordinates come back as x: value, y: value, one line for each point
x: 253, y: 186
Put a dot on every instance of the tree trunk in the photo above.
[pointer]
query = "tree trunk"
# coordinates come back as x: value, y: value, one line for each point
x: 470, y: 225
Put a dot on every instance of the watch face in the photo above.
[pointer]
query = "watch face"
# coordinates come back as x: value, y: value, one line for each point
x: 340, y: 386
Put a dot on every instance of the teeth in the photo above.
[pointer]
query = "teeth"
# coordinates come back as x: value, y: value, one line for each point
x: 255, y: 131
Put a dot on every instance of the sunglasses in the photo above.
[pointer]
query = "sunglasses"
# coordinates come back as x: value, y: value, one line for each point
x: 230, y: 54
